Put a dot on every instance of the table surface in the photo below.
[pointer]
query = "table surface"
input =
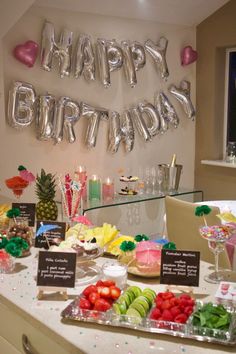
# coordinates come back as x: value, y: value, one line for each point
x: 19, y: 290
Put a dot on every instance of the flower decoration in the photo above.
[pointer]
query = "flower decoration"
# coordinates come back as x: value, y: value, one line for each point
x: 14, y: 246
x: 169, y: 246
x: 82, y: 219
x: 13, y: 213
x: 127, y: 246
x: 202, y: 211
x: 139, y: 238
x: 21, y: 168
x: 3, y: 241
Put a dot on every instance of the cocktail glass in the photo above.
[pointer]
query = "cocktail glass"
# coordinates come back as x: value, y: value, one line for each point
x: 216, y: 237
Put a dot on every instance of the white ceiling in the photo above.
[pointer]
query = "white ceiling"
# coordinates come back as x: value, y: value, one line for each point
x: 181, y: 12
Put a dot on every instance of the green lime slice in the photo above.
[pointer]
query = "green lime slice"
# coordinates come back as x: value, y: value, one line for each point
x: 139, y: 308
x: 131, y: 294
x: 124, y: 298
x: 133, y: 313
x: 135, y: 289
x: 116, y: 309
x: 148, y: 298
x: 122, y: 308
x: 150, y: 291
x: 143, y: 301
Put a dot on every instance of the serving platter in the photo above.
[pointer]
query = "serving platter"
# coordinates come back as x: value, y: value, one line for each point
x: 110, y: 318
x: 132, y: 269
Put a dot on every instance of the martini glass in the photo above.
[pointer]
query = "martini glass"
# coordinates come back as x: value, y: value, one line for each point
x: 17, y: 184
x: 216, y: 237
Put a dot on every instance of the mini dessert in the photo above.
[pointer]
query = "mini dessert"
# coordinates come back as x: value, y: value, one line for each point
x: 128, y: 179
x: 23, y: 231
x: 78, y: 249
x: 90, y: 247
x: 127, y: 191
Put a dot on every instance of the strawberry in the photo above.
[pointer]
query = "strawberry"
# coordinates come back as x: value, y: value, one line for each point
x: 93, y: 297
x: 183, y: 303
x: 99, y: 289
x: 167, y: 295
x: 89, y: 289
x: 84, y: 303
x: 99, y: 283
x: 185, y: 296
x: 102, y: 305
x: 115, y: 292
x: 165, y: 305
x: 167, y: 315
x: 188, y: 310
x: 181, y: 318
x: 175, y: 311
x: 191, y: 302
x: 159, y: 302
x: 155, y: 314
x: 105, y: 292
x: 159, y: 295
x: 109, y: 283
x: 173, y: 301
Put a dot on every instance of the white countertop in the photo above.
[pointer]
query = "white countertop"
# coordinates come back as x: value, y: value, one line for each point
x: 19, y: 290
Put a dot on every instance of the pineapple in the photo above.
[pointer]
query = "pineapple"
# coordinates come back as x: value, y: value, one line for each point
x: 46, y: 208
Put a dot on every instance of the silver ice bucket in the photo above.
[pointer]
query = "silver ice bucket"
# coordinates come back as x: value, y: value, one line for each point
x: 171, y: 176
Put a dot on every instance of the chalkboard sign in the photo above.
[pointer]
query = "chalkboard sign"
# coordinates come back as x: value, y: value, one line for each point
x: 27, y: 212
x: 56, y: 269
x: 54, y: 236
x: 180, y: 267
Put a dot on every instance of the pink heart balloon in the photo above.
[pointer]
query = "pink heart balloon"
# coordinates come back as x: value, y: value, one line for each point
x: 26, y: 53
x: 188, y: 55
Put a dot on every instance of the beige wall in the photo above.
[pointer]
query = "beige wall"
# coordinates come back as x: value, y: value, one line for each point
x: 214, y: 35
x: 22, y: 146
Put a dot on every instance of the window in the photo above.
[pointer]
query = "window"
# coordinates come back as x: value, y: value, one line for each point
x: 230, y: 98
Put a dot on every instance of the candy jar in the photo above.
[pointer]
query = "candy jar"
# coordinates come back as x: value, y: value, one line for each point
x: 22, y: 230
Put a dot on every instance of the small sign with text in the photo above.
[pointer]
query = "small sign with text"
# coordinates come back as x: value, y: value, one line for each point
x: 180, y: 267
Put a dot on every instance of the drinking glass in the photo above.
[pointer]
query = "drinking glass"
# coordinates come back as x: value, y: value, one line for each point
x: 160, y: 178
x: 216, y: 237
x: 148, y: 187
x: 153, y: 180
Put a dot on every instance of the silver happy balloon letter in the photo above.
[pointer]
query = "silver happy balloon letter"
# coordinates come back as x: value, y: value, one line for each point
x: 61, y: 49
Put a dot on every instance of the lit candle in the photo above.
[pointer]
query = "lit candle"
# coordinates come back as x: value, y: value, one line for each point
x: 94, y: 188
x: 81, y: 172
x: 108, y: 189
